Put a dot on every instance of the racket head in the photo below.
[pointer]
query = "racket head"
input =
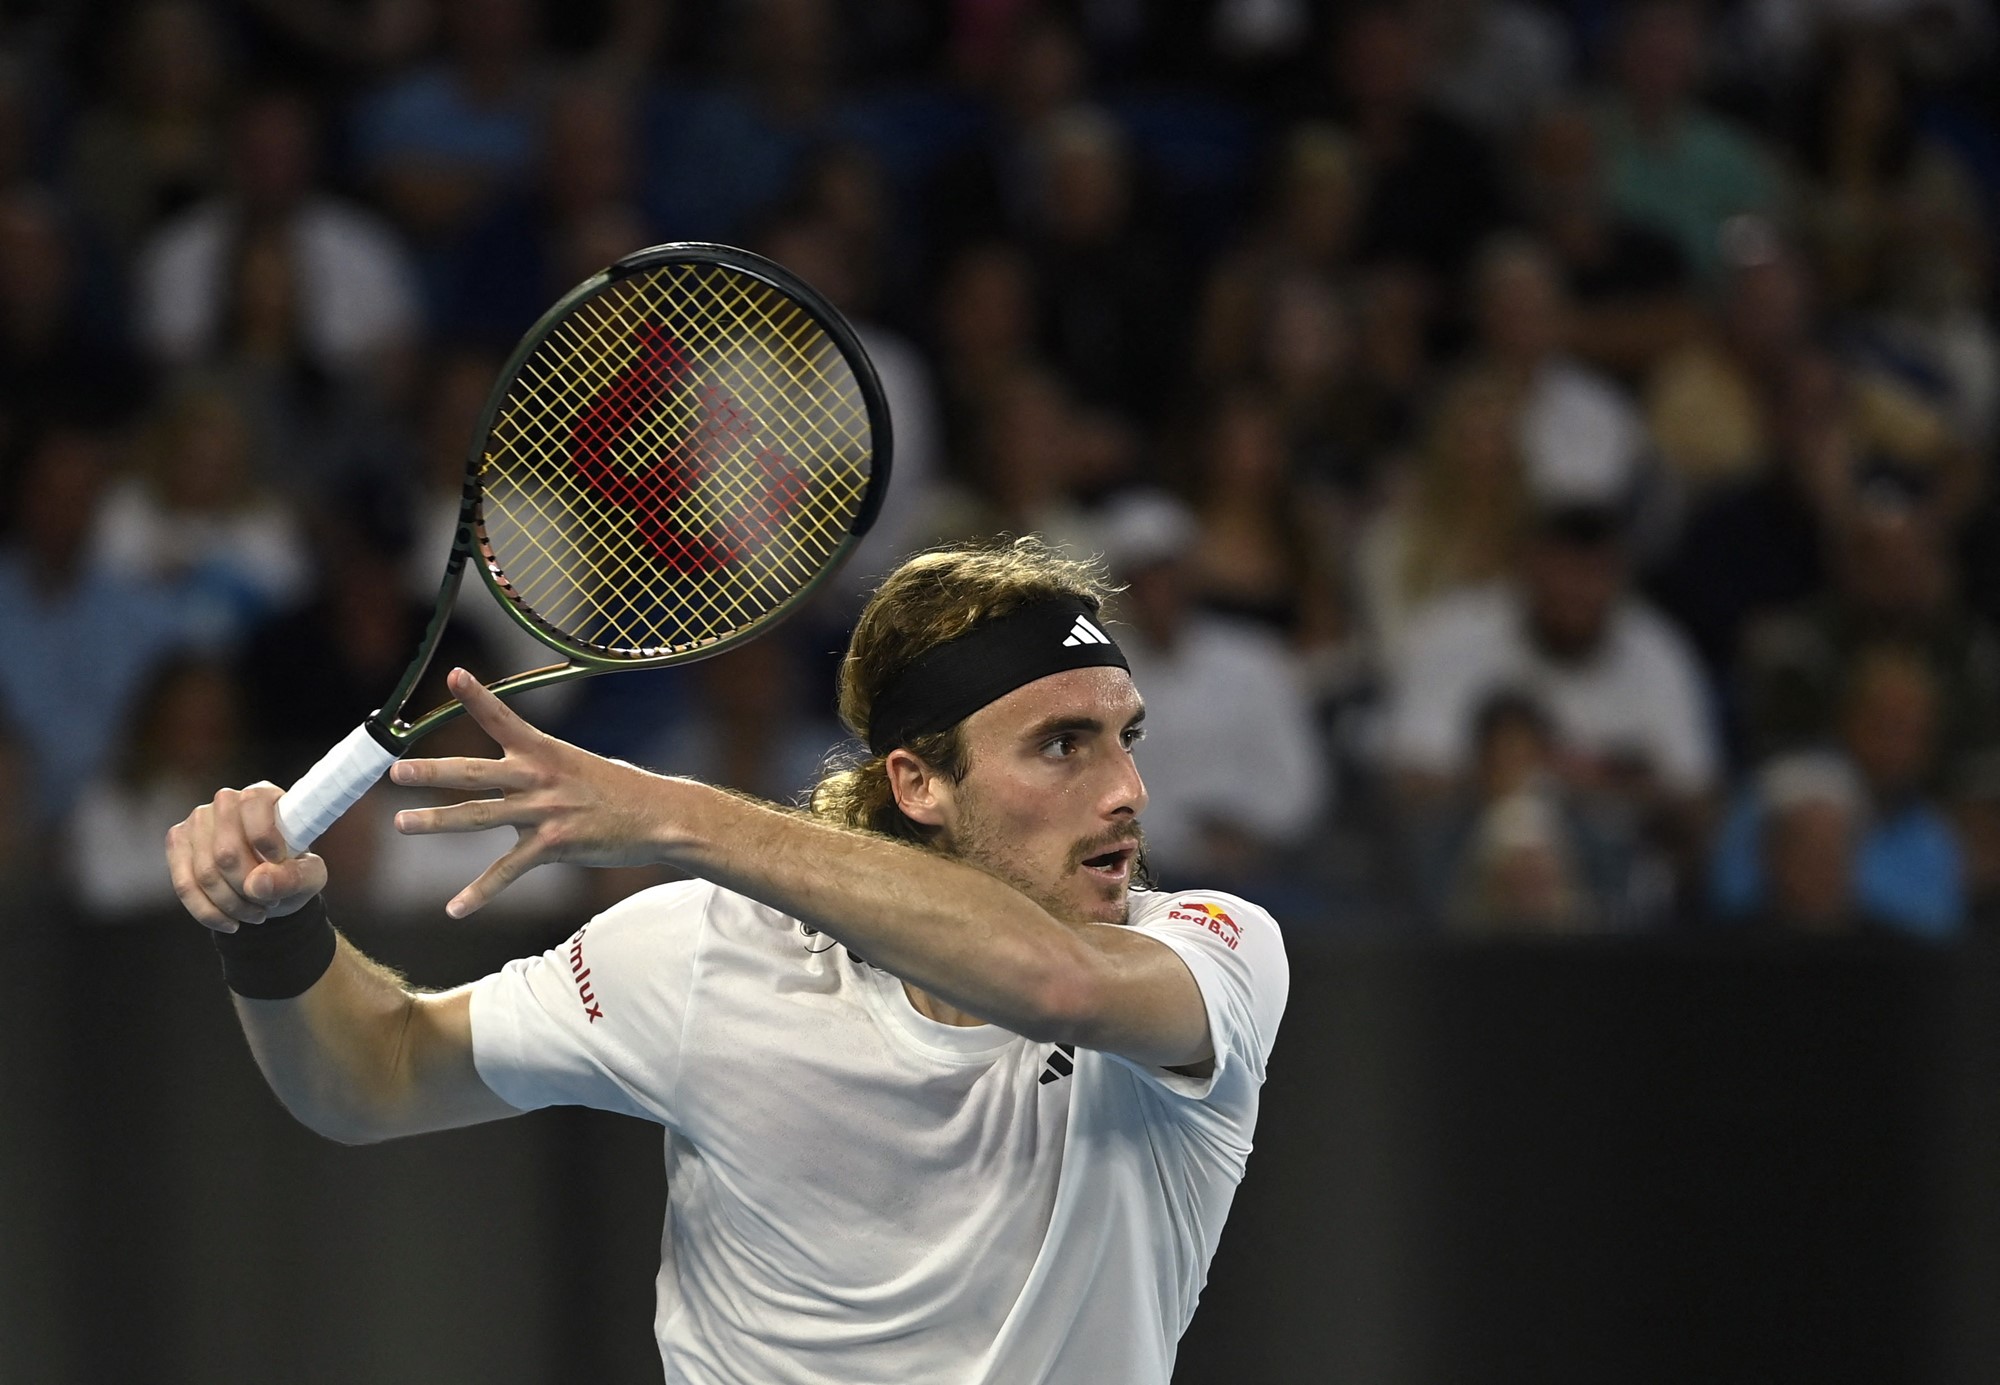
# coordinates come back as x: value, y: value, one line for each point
x: 674, y: 458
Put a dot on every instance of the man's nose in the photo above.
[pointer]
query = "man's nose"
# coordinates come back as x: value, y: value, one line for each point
x: 1127, y: 792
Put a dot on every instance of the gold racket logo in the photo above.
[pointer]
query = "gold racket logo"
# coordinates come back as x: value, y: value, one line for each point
x: 656, y: 495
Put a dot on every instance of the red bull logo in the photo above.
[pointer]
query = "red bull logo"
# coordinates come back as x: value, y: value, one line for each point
x: 1209, y: 916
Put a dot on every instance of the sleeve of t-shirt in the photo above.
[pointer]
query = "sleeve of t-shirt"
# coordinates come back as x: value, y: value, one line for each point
x: 596, y: 1020
x: 1237, y: 957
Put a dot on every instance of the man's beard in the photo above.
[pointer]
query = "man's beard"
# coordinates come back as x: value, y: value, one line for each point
x: 978, y: 843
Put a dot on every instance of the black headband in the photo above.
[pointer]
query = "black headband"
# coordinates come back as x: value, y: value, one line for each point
x: 944, y: 685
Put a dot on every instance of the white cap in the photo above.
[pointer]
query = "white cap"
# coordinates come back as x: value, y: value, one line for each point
x: 1141, y: 528
x: 1811, y: 776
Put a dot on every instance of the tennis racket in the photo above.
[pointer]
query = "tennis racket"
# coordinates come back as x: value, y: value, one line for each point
x: 674, y: 457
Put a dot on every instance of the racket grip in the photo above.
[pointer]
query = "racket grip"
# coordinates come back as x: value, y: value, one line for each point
x: 331, y: 787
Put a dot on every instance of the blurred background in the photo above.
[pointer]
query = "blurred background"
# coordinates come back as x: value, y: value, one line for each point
x: 1548, y: 450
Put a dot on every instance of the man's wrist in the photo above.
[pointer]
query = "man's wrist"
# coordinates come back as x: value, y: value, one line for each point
x: 674, y: 814
x: 281, y: 958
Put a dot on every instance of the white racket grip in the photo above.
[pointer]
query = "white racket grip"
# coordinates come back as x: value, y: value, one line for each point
x: 331, y: 787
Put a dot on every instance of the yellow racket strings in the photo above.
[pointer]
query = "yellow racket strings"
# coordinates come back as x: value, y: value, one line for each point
x: 684, y: 452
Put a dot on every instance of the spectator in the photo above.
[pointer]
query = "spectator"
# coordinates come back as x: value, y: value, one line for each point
x: 1496, y: 64
x: 1755, y: 545
x: 987, y: 328
x: 194, y: 515
x: 1913, y: 245
x: 1671, y: 164
x: 1866, y: 160
x: 580, y: 214
x: 1434, y: 192
x: 721, y: 157
x: 1259, y: 557
x: 1521, y: 852
x: 1520, y: 875
x: 1025, y: 470
x: 81, y: 642
x: 186, y: 740
x: 1111, y: 299
x: 1892, y: 580
x: 1826, y: 843
x: 1621, y: 687
x: 152, y: 146
x: 51, y: 361
x: 1333, y: 414
x: 1034, y: 66
x: 1308, y: 229
x: 1786, y: 857
x: 1580, y: 438
x: 1627, y: 284
x: 352, y: 293
x: 1710, y: 403
x: 1394, y: 312
x: 1457, y: 520
x: 848, y: 187
x: 443, y: 142
x: 1234, y: 767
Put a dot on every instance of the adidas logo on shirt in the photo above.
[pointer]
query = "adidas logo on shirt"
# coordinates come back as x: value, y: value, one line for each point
x: 1083, y: 632
x: 1059, y: 1065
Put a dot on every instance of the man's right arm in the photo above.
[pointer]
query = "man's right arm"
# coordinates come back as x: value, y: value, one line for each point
x: 358, y: 1056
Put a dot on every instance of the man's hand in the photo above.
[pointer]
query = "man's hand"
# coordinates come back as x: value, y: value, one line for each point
x: 564, y: 803
x: 230, y: 864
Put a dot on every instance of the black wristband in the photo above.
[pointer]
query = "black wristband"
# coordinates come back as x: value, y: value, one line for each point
x: 281, y: 958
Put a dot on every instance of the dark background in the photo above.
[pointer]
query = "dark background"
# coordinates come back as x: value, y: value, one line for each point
x: 1634, y: 1161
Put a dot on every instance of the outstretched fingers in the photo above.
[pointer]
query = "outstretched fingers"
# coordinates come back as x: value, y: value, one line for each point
x: 462, y: 772
x: 495, y: 717
x: 524, y: 857
x: 476, y: 815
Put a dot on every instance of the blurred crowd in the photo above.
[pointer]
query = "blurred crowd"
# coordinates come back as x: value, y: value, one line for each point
x: 1546, y: 444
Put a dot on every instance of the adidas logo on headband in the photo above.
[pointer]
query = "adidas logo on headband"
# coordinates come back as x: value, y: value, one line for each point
x: 1083, y: 632
x: 949, y: 682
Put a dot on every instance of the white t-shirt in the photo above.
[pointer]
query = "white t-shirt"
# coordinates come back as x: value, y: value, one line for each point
x: 859, y: 1194
x: 1641, y: 692
x: 1229, y: 738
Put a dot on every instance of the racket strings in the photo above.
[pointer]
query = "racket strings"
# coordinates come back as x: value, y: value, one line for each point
x: 734, y: 496
x: 680, y: 456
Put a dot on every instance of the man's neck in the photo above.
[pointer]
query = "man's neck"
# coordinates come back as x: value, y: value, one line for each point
x: 931, y: 1008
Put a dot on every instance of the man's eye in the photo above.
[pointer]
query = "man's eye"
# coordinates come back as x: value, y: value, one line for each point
x: 1133, y: 735
x: 1060, y: 746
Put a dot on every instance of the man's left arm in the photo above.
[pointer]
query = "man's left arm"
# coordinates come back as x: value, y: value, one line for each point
x: 958, y: 933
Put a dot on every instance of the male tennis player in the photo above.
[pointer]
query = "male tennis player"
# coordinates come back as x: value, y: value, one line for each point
x: 945, y: 1099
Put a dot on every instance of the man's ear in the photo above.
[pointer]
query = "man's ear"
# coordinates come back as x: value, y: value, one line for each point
x: 921, y: 792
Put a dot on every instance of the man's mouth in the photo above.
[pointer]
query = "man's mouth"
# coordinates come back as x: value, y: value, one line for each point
x: 1113, y: 867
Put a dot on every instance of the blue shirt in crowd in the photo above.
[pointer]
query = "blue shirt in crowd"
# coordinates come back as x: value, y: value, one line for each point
x: 75, y: 663
x: 1909, y: 870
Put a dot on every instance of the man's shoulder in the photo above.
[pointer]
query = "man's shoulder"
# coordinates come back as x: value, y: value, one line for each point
x: 673, y: 911
x: 1225, y: 915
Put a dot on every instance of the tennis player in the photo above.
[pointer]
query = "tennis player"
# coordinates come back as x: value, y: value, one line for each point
x: 947, y: 1097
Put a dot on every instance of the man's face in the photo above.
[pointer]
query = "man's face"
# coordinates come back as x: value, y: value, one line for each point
x: 1572, y: 588
x: 1051, y: 797
x: 1809, y: 850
